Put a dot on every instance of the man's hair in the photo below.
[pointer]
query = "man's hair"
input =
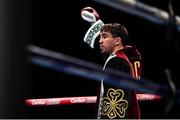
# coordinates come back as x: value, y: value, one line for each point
x: 117, y: 30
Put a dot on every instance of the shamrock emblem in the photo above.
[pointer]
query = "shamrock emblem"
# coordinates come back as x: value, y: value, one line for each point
x: 113, y: 104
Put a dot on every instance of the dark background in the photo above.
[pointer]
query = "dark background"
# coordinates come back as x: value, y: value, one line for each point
x: 58, y: 26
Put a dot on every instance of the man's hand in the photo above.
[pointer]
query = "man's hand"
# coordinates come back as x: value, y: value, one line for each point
x: 89, y: 14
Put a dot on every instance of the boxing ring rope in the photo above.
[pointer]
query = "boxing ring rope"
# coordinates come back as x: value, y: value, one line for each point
x: 61, y: 101
x: 73, y: 66
x: 79, y: 100
x: 142, y: 10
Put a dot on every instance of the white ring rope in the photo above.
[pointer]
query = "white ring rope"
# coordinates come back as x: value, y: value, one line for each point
x: 145, y: 11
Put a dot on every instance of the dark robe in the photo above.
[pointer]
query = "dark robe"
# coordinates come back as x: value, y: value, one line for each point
x: 115, y: 102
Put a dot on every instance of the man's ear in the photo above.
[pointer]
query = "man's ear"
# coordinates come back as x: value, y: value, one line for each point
x: 117, y: 40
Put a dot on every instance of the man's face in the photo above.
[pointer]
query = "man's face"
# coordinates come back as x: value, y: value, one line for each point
x: 106, y: 43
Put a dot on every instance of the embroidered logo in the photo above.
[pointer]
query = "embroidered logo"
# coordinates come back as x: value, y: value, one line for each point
x: 113, y: 104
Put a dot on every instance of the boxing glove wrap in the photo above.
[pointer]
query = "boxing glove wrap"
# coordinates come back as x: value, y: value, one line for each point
x: 92, y: 33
